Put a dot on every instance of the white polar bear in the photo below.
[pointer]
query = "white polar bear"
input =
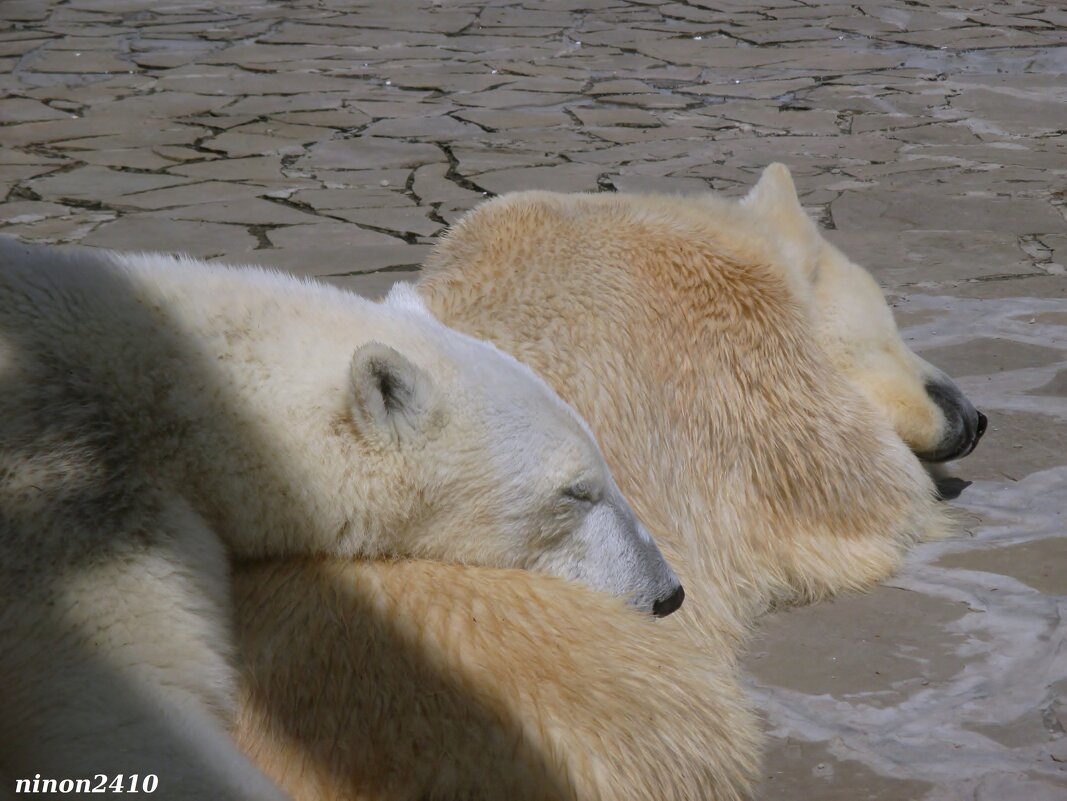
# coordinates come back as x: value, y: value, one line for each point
x: 158, y: 413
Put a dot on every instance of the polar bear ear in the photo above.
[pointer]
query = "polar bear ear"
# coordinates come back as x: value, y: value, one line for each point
x: 393, y: 400
x: 774, y: 199
x: 774, y: 193
x: 403, y: 295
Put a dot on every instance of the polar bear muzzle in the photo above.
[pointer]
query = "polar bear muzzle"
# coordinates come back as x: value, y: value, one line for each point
x: 630, y: 563
x: 964, y: 425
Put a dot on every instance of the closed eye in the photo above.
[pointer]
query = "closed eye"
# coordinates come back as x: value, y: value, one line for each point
x: 581, y: 492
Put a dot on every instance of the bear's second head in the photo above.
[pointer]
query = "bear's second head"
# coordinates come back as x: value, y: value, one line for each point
x: 480, y: 462
x: 856, y: 328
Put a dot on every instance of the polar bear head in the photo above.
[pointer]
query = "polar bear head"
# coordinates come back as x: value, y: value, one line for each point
x: 856, y: 328
x: 487, y: 465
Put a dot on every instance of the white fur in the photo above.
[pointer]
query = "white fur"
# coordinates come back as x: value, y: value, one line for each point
x: 155, y: 409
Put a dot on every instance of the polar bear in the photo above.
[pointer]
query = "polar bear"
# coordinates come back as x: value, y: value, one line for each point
x: 361, y: 684
x: 690, y: 333
x: 739, y: 392
x: 158, y: 413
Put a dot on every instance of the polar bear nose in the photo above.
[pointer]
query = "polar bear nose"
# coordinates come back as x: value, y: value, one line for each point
x: 965, y: 425
x: 664, y: 606
x: 979, y: 428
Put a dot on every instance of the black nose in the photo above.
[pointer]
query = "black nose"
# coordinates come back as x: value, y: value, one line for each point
x: 665, y: 606
x: 965, y: 423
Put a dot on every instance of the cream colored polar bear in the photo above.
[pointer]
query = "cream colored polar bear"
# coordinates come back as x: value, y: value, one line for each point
x: 721, y: 350
x: 157, y: 413
x: 744, y: 377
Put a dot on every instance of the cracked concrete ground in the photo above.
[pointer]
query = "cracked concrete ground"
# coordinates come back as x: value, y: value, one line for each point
x: 335, y: 138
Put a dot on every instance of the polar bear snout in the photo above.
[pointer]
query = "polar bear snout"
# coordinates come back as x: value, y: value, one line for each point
x: 662, y: 592
x: 610, y: 551
x: 672, y: 603
x: 963, y: 427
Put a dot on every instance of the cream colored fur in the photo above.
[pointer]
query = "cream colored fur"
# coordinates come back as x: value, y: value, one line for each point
x: 362, y: 683
x: 849, y: 314
x: 690, y: 334
x: 685, y: 333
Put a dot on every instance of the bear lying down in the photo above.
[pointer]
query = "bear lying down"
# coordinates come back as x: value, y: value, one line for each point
x: 158, y: 413
x: 755, y: 401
